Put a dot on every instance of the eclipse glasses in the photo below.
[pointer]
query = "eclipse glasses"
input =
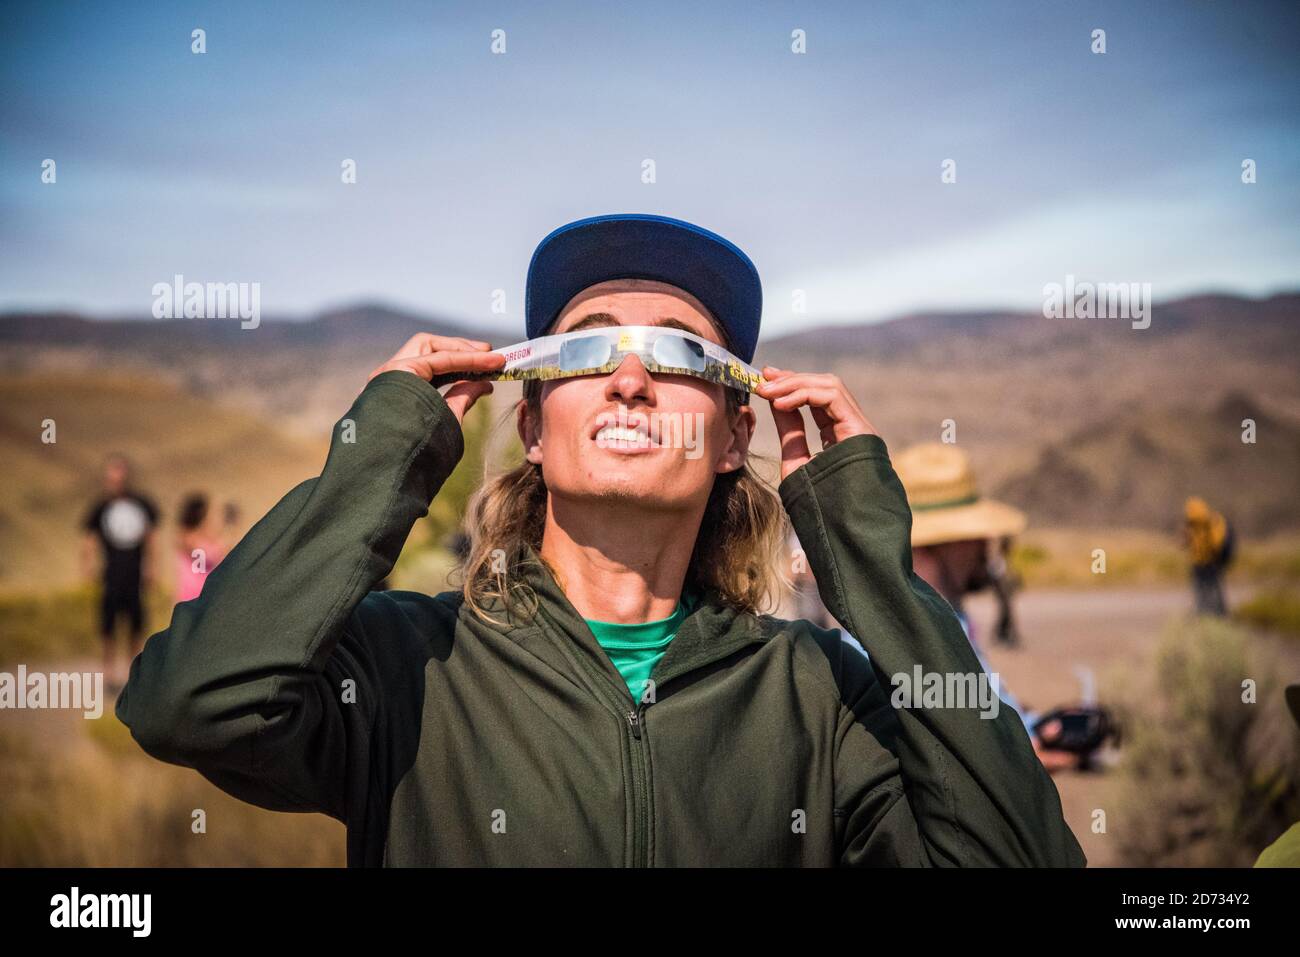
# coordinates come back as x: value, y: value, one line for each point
x: 601, y: 350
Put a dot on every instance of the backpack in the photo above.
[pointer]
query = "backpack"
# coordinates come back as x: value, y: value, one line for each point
x: 1084, y: 729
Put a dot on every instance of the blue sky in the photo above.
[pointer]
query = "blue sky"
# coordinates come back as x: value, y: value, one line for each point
x: 825, y: 167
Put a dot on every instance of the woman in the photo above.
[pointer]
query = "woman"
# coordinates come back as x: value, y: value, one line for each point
x: 199, y: 547
x: 490, y: 726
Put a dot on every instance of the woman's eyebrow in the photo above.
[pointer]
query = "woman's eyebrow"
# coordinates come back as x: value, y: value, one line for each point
x: 602, y: 319
x: 593, y: 320
x: 672, y: 323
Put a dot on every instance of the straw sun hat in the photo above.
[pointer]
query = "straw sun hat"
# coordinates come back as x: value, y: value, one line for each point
x: 945, y: 501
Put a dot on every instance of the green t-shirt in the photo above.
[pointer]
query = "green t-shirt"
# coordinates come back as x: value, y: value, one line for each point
x: 636, y: 649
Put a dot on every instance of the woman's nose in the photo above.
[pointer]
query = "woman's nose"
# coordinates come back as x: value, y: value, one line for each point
x: 631, y: 380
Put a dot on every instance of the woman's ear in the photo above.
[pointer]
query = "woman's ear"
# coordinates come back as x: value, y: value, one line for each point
x: 529, y: 432
x: 742, y: 433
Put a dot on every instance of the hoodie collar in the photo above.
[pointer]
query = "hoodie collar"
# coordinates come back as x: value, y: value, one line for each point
x: 711, y: 630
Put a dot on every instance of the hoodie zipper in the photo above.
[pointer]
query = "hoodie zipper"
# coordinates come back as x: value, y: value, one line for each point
x: 640, y: 785
x: 638, y: 746
x: 617, y: 700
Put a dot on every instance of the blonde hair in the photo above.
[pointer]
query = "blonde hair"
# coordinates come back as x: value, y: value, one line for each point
x: 735, y: 552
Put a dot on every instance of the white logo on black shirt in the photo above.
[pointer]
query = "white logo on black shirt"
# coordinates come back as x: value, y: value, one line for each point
x: 124, y: 523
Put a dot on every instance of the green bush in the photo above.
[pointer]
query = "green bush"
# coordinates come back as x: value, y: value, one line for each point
x: 1275, y: 610
x: 58, y: 625
x: 1208, y: 778
x: 1027, y: 559
x: 1271, y: 565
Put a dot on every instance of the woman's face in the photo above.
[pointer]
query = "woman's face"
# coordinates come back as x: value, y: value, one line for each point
x: 578, y: 443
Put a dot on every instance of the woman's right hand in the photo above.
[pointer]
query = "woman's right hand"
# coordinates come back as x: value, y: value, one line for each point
x: 427, y: 355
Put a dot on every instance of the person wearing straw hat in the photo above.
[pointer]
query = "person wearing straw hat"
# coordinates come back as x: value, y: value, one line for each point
x: 951, y: 522
x: 952, y: 527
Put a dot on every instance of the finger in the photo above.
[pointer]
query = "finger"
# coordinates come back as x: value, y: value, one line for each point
x: 432, y: 344
x: 791, y: 384
x: 772, y: 374
x: 462, y: 396
x: 455, y: 343
x: 793, y: 438
x: 429, y: 367
x: 438, y: 363
x: 467, y: 361
x: 834, y: 410
x: 423, y: 343
x: 411, y: 347
x: 835, y: 416
x: 816, y: 396
x: 825, y: 421
x: 826, y: 430
x: 794, y: 380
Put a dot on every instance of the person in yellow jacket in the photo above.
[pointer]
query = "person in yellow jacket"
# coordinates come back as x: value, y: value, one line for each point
x: 1209, y: 540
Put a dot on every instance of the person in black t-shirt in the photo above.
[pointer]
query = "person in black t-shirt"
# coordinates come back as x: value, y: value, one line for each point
x: 121, y: 527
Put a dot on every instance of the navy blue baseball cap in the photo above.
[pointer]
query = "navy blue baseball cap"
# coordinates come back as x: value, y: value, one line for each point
x: 640, y: 246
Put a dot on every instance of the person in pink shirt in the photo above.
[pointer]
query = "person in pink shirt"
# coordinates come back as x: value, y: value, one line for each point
x: 200, y: 547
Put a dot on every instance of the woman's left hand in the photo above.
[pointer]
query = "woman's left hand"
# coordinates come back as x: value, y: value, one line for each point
x: 833, y: 408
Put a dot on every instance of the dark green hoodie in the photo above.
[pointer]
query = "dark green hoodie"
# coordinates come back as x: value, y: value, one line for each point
x: 440, y: 739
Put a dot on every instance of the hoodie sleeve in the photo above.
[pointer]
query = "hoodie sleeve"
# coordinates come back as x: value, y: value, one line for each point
x: 956, y: 786
x: 266, y: 683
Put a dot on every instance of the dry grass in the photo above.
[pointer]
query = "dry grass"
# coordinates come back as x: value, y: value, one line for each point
x: 96, y: 800
x: 1273, y: 610
x: 1063, y: 558
x: 1207, y: 779
x: 61, y: 625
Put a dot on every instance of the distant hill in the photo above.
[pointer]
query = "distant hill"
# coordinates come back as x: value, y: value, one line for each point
x: 1047, y: 407
x: 1081, y: 422
x: 349, y: 325
x: 1018, y: 335
x: 1138, y: 470
x: 302, y: 375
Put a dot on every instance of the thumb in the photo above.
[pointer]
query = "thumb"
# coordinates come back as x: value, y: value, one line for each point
x: 462, y: 396
x: 793, y: 437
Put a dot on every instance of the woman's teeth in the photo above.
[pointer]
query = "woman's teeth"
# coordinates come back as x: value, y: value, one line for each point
x: 617, y: 434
